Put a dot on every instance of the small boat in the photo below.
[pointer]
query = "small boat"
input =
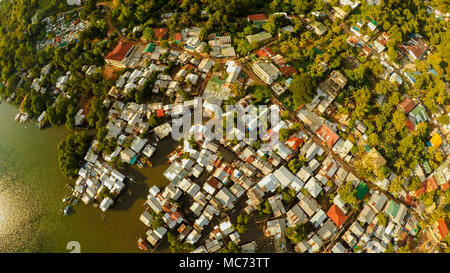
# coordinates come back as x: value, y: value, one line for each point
x: 66, y: 210
x: 140, y: 164
x: 76, y: 202
x: 149, y: 164
x: 66, y: 199
x: 18, y: 117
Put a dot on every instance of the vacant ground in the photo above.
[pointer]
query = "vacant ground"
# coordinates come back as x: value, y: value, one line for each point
x: 109, y: 71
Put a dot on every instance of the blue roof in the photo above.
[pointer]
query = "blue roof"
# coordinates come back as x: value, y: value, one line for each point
x: 432, y: 71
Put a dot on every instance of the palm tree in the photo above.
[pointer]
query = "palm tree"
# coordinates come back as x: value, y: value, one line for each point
x: 237, y: 89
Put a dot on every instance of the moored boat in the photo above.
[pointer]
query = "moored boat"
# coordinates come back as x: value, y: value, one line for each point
x: 66, y: 210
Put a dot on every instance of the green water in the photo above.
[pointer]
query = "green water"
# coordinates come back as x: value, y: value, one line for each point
x: 32, y: 188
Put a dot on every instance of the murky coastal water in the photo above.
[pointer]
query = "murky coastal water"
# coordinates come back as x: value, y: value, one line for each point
x: 32, y: 188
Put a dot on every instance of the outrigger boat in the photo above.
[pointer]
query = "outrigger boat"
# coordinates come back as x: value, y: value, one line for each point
x: 140, y: 164
x: 66, y: 210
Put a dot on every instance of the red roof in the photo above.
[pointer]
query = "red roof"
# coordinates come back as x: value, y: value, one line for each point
x: 177, y: 36
x: 160, y: 113
x: 421, y: 191
x: 159, y: 33
x: 442, y: 227
x: 120, y: 51
x: 213, y: 182
x: 406, y: 105
x: 445, y: 186
x: 182, y: 228
x: 353, y: 40
x: 257, y: 17
x: 288, y: 70
x: 264, y: 52
x: 167, y: 207
x: 366, y: 49
x: 327, y: 135
x: 431, y: 183
x: 409, y: 200
x: 336, y: 215
x: 410, y: 124
x: 294, y: 142
x: 175, y: 216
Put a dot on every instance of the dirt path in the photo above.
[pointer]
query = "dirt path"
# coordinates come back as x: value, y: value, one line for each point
x: 21, y: 104
x: 111, y: 26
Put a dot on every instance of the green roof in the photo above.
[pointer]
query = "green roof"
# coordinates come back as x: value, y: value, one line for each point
x: 439, y: 171
x: 319, y: 27
x: 418, y: 114
x: 259, y: 37
x: 426, y: 166
x: 361, y: 190
x: 392, y: 208
x: 149, y: 48
x: 259, y: 23
x: 318, y: 51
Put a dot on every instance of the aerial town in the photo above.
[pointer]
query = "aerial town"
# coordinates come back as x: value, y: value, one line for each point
x: 358, y: 161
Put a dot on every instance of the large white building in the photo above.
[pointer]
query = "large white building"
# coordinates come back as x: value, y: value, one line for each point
x: 266, y: 71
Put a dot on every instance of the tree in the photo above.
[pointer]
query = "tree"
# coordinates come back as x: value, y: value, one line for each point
x: 242, y: 223
x: 362, y: 98
x: 399, y: 120
x: 265, y: 208
x: 348, y: 194
x: 414, y: 184
x: 302, y: 88
x: 176, y: 246
x: 382, y: 219
x: 153, y: 121
x: 396, y: 185
x: 260, y: 92
x: 392, y: 54
x: 232, y: 247
x: 299, y: 232
x: 71, y: 152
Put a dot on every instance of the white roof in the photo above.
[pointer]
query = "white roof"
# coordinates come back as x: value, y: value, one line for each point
x: 106, y: 203
x: 284, y: 176
x: 318, y: 218
x: 269, y: 183
x: 313, y: 187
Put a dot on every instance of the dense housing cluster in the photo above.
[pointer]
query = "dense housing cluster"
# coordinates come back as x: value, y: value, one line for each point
x: 358, y: 161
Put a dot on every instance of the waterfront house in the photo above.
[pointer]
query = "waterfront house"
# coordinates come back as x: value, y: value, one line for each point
x: 146, y: 218
x: 106, y: 203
